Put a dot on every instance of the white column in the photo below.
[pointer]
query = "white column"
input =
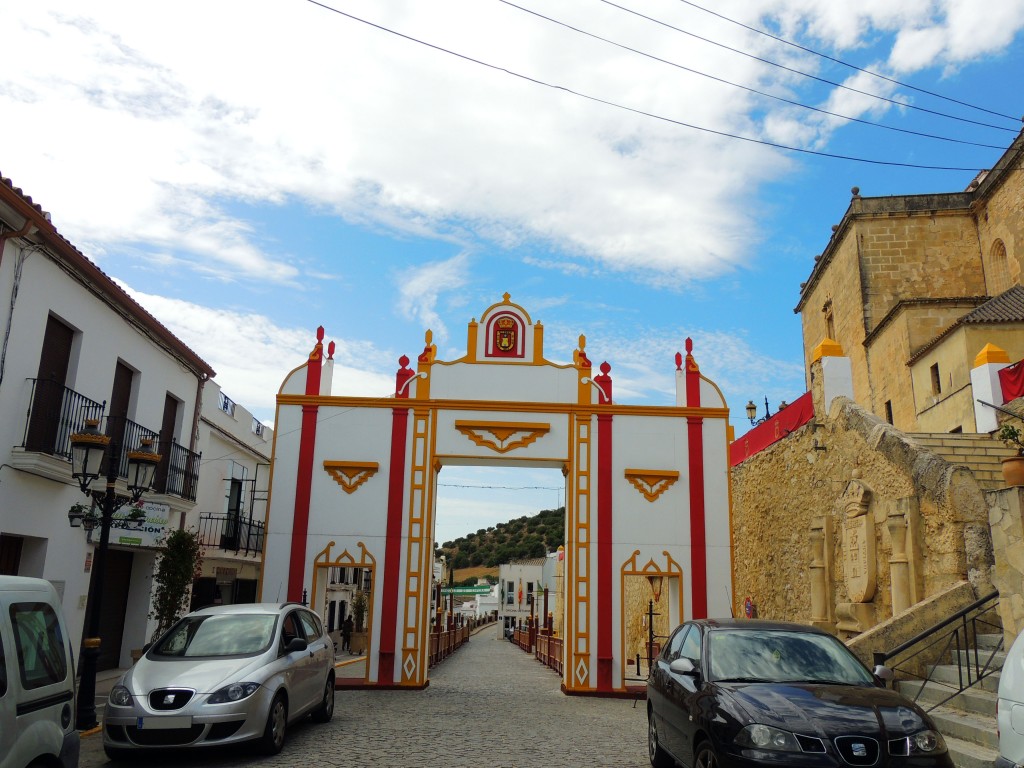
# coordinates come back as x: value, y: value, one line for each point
x: 985, y: 386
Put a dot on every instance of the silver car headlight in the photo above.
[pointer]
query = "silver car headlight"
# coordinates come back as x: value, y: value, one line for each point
x: 120, y: 696
x: 758, y: 736
x: 926, y: 742
x: 233, y: 692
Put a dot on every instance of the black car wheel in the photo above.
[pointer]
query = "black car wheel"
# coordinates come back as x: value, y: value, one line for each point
x: 705, y: 756
x: 277, y: 725
x: 658, y: 756
x: 116, y: 755
x: 325, y: 711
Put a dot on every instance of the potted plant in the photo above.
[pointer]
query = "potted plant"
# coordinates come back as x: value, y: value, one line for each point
x: 1013, y: 467
x: 359, y: 605
x: 179, y: 563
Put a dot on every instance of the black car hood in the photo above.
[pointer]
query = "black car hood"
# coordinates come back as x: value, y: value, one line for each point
x: 827, y: 710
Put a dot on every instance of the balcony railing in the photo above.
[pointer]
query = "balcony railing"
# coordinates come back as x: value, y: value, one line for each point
x: 230, y: 533
x: 178, y: 471
x: 54, y: 414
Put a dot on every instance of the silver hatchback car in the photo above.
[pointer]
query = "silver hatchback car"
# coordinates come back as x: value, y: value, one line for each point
x: 223, y: 675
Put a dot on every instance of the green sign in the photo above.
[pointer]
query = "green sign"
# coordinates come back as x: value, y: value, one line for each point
x: 479, y: 590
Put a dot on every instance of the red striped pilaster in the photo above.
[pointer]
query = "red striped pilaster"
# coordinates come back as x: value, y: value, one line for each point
x: 304, y: 475
x: 695, y: 449
x: 393, y: 546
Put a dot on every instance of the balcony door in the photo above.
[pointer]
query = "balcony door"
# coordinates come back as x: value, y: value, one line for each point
x: 117, y: 416
x: 48, y: 397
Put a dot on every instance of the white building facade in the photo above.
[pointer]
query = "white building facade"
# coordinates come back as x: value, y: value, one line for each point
x: 231, y: 502
x: 76, y: 346
x: 647, y: 489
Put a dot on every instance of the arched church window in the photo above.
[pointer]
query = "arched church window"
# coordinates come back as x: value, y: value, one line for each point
x: 998, y: 269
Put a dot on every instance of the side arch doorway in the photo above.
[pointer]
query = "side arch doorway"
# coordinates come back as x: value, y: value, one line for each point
x: 647, y: 489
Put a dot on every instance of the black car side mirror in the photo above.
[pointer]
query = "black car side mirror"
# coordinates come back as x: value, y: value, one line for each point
x: 296, y: 644
x: 883, y: 674
x: 684, y: 666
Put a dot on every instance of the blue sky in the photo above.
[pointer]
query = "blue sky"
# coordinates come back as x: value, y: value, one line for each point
x: 251, y: 170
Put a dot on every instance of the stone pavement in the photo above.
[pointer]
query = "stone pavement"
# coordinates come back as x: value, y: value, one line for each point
x: 489, y: 704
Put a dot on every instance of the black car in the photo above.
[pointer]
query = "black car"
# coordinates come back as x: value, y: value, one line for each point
x: 754, y: 694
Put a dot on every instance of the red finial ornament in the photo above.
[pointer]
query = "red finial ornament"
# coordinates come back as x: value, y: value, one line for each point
x: 604, y: 384
x: 330, y: 351
x: 679, y: 361
x: 320, y: 333
x: 402, y: 377
x: 689, y: 345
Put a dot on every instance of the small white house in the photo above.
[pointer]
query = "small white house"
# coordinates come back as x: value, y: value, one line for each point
x: 231, y: 501
x: 519, y: 584
x: 78, y: 347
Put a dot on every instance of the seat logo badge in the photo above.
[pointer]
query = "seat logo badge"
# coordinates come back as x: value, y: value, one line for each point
x: 168, y: 699
x: 860, y: 750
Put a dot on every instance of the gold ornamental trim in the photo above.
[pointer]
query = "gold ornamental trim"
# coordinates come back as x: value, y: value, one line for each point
x: 502, y: 436
x: 351, y: 474
x: 651, y: 482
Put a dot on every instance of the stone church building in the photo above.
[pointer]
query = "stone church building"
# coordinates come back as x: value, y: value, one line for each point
x: 874, y: 505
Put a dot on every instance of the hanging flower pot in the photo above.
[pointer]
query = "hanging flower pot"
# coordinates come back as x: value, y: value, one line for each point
x: 1013, y: 471
x: 1013, y: 467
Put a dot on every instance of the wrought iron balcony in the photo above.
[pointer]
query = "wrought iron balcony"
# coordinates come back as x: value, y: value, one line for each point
x: 178, y: 471
x: 54, y: 414
x: 230, y: 533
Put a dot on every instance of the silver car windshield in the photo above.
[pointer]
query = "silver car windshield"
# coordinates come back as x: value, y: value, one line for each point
x: 231, y: 635
x: 783, y: 656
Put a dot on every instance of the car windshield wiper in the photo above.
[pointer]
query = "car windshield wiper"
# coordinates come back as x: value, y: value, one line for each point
x: 743, y: 680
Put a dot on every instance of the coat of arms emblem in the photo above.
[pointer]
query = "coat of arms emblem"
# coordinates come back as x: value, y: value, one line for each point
x: 505, y: 333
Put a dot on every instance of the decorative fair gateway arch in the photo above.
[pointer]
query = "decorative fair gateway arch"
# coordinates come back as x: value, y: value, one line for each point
x: 647, y: 489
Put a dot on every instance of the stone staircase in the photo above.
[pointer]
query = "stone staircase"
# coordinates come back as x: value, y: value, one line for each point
x: 968, y: 720
x: 980, y: 453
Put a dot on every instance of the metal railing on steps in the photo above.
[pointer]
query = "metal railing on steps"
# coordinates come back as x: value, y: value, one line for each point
x: 953, y: 639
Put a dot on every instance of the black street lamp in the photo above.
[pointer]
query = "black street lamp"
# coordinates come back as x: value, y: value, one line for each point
x: 752, y: 413
x: 88, y: 449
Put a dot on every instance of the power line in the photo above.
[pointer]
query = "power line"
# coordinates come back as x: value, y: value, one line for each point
x: 847, y: 64
x: 744, y: 87
x: 506, y: 487
x: 805, y: 74
x: 724, y: 134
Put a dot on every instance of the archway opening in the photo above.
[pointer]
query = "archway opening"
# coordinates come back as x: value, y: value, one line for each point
x: 489, y: 516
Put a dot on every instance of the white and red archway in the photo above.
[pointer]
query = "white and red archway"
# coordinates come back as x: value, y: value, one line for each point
x: 647, y: 488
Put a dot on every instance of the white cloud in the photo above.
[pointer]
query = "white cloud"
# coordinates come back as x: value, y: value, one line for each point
x: 265, y: 102
x: 252, y: 354
x: 421, y: 287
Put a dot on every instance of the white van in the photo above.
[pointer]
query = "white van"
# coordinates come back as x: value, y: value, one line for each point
x: 37, y: 677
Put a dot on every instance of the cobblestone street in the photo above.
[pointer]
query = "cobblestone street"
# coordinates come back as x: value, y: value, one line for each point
x: 490, y: 704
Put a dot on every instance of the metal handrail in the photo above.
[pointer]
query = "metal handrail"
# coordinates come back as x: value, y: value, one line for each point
x: 959, y: 634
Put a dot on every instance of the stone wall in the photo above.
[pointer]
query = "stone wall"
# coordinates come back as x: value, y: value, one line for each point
x: 799, y: 504
x: 1005, y: 508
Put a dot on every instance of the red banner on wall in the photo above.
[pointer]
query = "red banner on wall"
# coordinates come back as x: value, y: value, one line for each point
x: 1011, y: 380
x: 790, y: 418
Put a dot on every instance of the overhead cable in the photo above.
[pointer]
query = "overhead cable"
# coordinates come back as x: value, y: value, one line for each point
x: 848, y: 64
x: 598, y: 100
x: 805, y: 74
x: 747, y: 88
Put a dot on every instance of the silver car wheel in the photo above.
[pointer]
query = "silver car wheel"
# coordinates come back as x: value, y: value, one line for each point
x: 277, y: 724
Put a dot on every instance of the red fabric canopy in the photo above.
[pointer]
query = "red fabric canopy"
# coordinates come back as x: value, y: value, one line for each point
x: 790, y: 418
x: 1011, y: 380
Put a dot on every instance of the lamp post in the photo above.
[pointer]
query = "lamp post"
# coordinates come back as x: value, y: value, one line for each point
x: 752, y: 413
x: 88, y: 450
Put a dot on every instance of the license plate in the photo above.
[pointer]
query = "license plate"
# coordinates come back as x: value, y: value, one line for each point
x: 163, y: 723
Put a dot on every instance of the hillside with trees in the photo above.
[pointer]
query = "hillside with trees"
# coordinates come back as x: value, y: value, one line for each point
x: 519, y: 539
